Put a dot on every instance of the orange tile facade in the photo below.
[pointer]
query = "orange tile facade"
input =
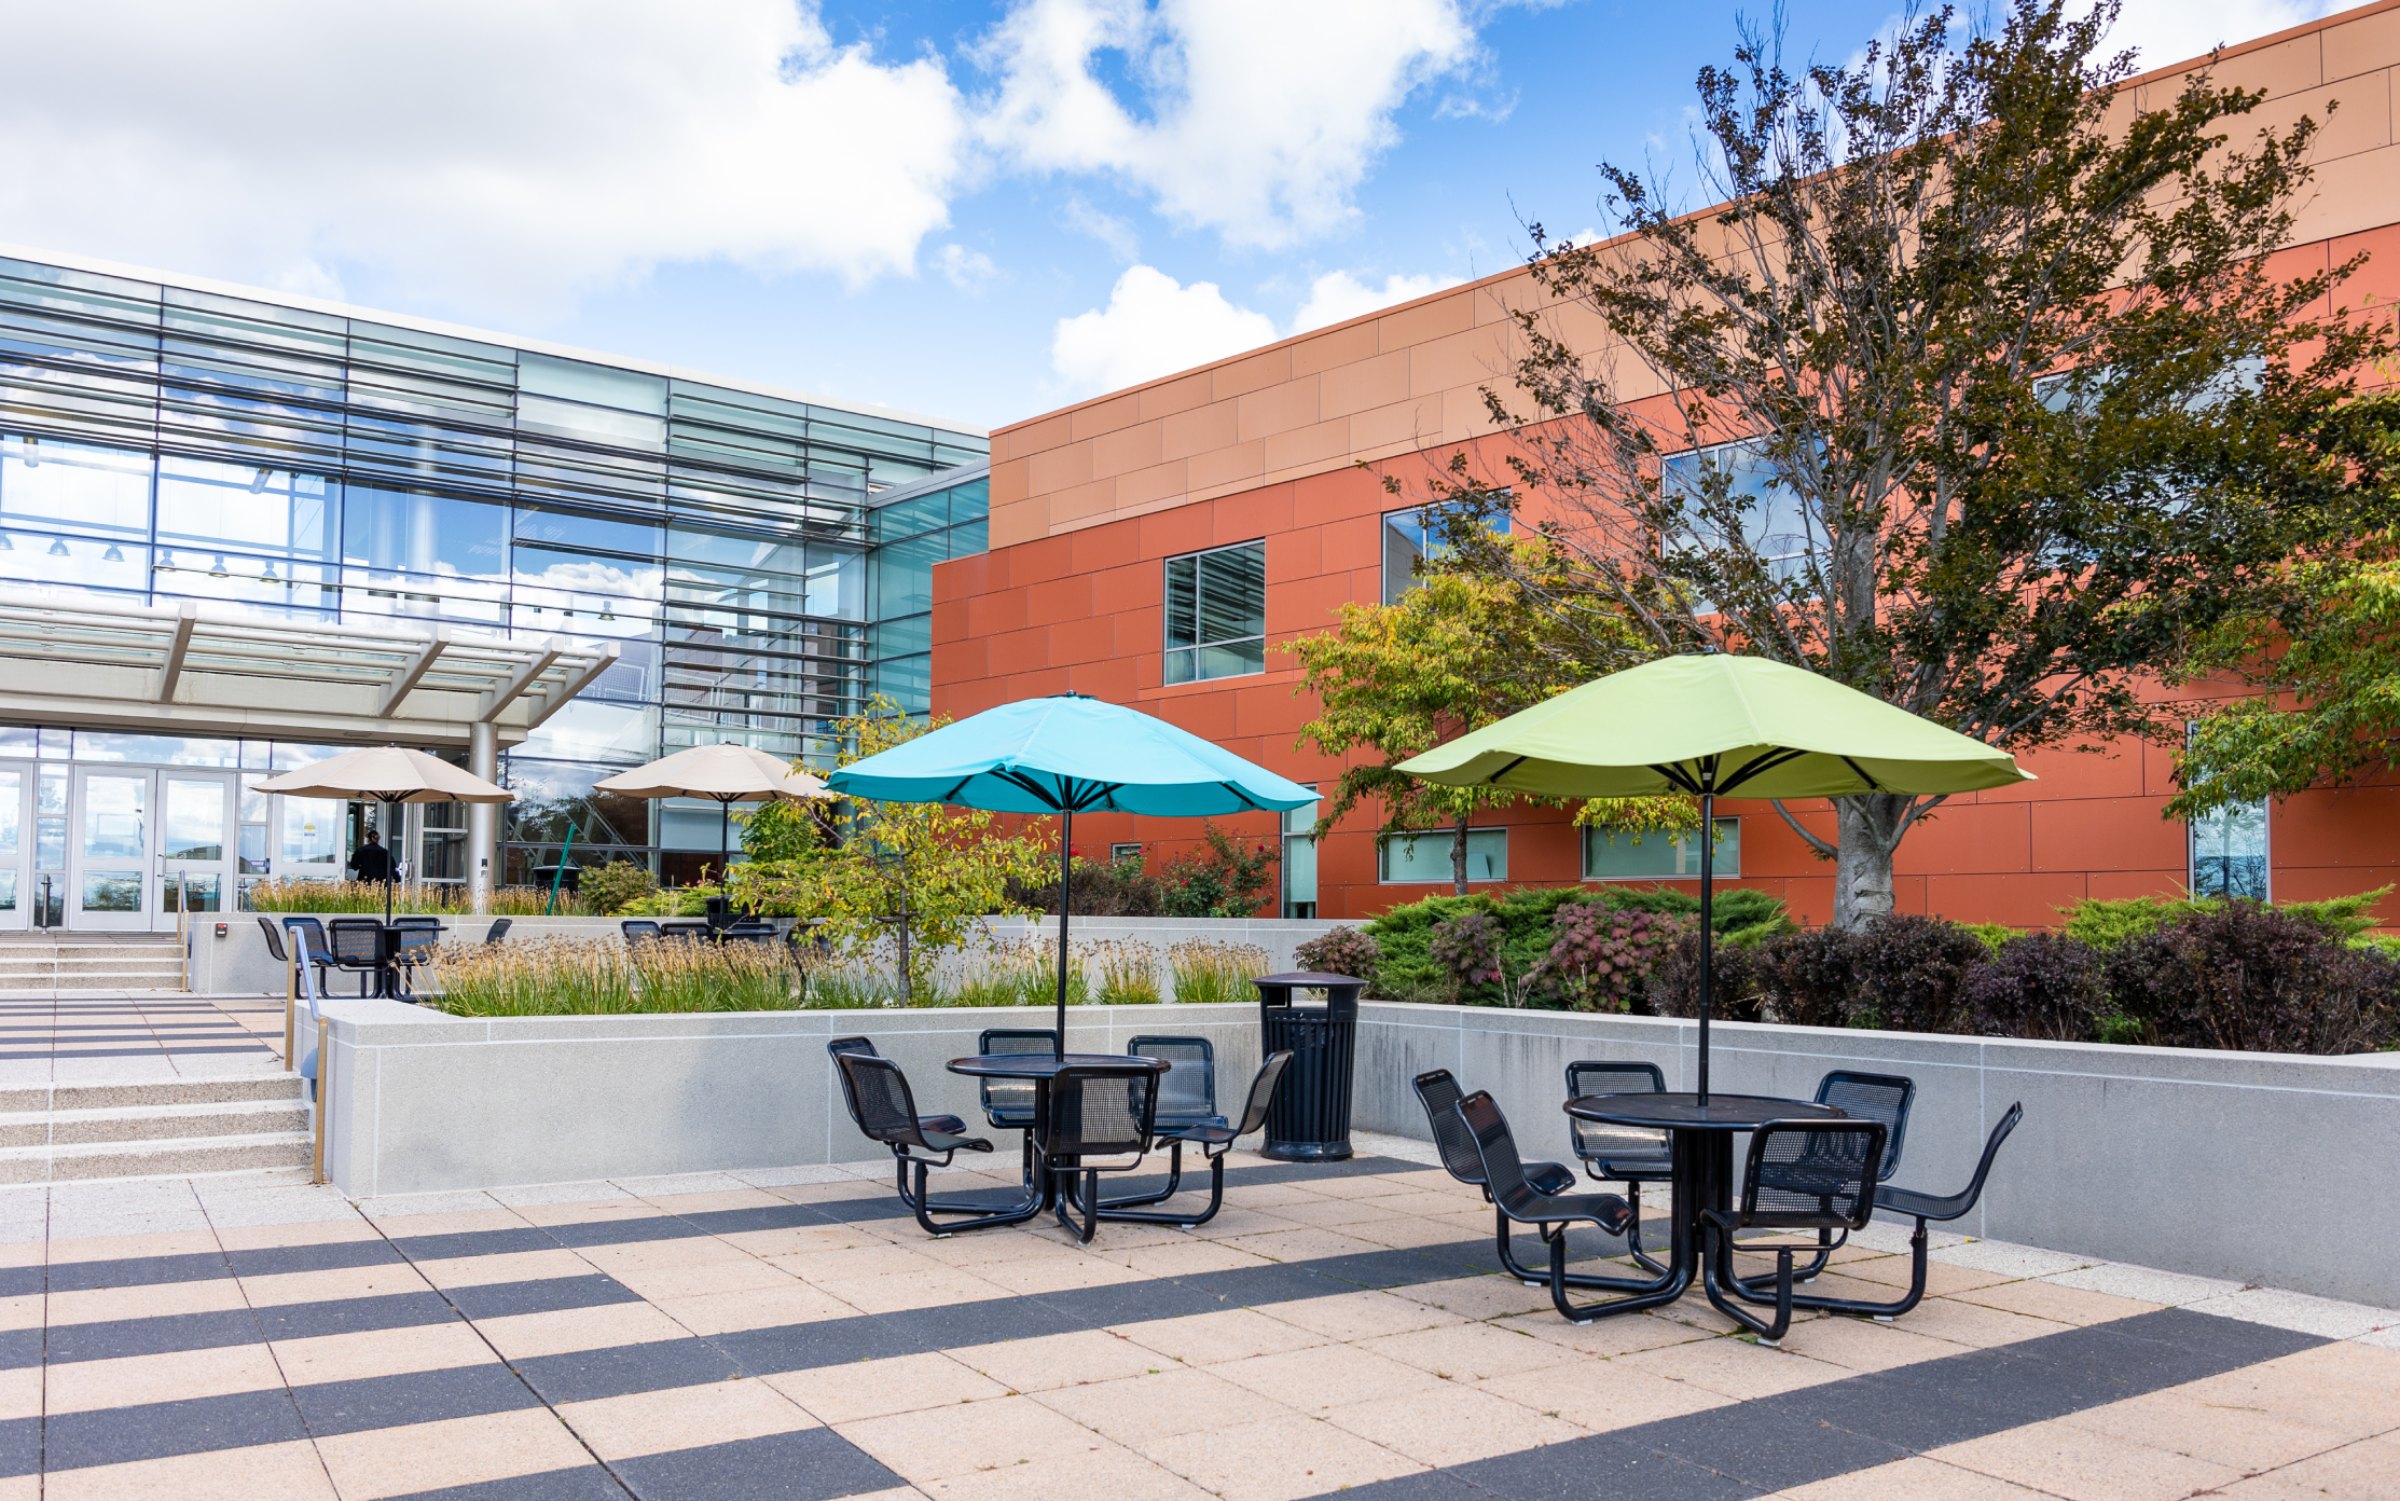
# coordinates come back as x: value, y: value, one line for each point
x: 1089, y: 502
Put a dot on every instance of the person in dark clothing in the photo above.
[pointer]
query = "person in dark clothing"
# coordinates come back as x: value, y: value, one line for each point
x: 371, y: 861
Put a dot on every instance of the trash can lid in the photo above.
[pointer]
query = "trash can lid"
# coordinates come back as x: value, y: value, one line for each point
x: 1310, y: 979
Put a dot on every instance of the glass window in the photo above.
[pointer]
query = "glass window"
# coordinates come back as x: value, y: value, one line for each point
x: 75, y: 488
x: 1613, y: 856
x: 58, y: 561
x: 259, y: 510
x: 407, y: 531
x: 552, y: 795
x: 903, y: 574
x: 1403, y: 859
x: 1413, y: 537
x: 1773, y: 522
x: 1300, y: 860
x: 2229, y: 852
x: 585, y: 531
x: 587, y: 731
x: 1125, y: 854
x: 1217, y: 613
x: 156, y: 750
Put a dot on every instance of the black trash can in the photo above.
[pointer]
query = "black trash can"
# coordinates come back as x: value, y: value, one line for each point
x: 1309, y: 1120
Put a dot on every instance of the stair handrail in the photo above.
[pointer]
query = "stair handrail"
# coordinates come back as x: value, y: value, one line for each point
x: 183, y: 923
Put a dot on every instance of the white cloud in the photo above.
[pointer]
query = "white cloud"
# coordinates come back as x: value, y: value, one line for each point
x: 1153, y: 325
x: 2168, y: 31
x: 1338, y: 295
x: 968, y: 270
x: 471, y: 154
x: 1107, y: 228
x: 1262, y: 116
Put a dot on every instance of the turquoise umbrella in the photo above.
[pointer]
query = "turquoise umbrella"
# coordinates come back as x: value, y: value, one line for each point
x: 1069, y: 754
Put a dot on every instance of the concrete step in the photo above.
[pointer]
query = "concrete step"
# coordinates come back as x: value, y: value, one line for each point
x: 152, y: 1159
x: 152, y: 1123
x: 164, y: 1094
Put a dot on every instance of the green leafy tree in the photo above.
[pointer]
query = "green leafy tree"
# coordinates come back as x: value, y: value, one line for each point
x: 2025, y: 412
x: 1458, y: 651
x: 1226, y: 878
x: 922, y: 874
x: 2322, y: 666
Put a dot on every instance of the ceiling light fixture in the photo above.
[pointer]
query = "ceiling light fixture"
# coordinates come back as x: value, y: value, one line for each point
x: 58, y: 547
x: 218, y: 570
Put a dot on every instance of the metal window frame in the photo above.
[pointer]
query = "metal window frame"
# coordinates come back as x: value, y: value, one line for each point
x: 1381, y: 840
x: 1166, y: 644
x: 1722, y: 870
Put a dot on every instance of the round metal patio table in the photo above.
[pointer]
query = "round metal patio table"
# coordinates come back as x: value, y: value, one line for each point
x: 1700, y: 1157
x: 1039, y: 1069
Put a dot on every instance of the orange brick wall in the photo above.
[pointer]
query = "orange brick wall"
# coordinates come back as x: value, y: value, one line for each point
x: 1087, y: 503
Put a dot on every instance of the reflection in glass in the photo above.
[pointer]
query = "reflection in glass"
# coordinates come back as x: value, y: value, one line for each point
x: 112, y: 891
x: 204, y: 888
x: 1412, y: 858
x: 1216, y: 613
x: 195, y: 820
x: 312, y: 833
x: 155, y: 750
x: 116, y: 818
x: 404, y: 531
x: 1610, y: 856
x: 75, y: 487
x: 2229, y: 852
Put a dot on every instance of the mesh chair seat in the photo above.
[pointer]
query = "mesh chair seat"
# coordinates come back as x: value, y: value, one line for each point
x: 1884, y: 1098
x: 498, y: 930
x: 932, y: 1125
x: 1801, y: 1175
x: 1624, y: 1154
x: 1925, y: 1206
x: 1008, y: 1103
x: 1439, y: 1093
x: 638, y: 929
x: 1095, y: 1110
x: 1514, y: 1193
x: 1187, y: 1093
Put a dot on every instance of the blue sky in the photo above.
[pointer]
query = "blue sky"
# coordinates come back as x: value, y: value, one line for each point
x: 973, y: 211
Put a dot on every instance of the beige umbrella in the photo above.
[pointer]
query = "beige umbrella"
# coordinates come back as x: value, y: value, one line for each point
x: 724, y: 774
x: 388, y: 774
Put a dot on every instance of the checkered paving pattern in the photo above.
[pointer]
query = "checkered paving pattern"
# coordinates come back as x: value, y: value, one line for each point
x: 1337, y: 1329
x: 125, y: 1032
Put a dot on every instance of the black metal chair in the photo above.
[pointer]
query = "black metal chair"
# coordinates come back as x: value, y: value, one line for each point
x: 1095, y: 1110
x: 1439, y: 1093
x: 1631, y: 1155
x: 640, y: 930
x: 498, y: 930
x: 1863, y: 1097
x: 1923, y: 1208
x: 1008, y: 1103
x: 947, y: 1125
x: 1187, y: 1096
x: 309, y: 940
x: 356, y: 945
x: 748, y: 930
x: 687, y: 928
x: 881, y: 1103
x: 1518, y: 1200
x: 413, y: 941
x: 1214, y: 1138
x: 1801, y: 1175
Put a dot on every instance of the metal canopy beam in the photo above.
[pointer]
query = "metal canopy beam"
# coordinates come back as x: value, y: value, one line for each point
x: 555, y: 698
x: 411, y: 673
x: 187, y: 619
x: 506, y: 693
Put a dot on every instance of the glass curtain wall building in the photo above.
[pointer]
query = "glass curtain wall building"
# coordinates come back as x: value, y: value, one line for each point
x: 912, y: 529
x: 300, y: 465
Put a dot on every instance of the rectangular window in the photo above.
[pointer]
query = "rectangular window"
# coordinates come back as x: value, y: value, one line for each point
x: 2229, y: 852
x: 1414, y: 537
x: 1773, y: 522
x: 1124, y: 854
x: 1300, y: 860
x: 1217, y: 613
x: 1411, y: 859
x: 1611, y: 856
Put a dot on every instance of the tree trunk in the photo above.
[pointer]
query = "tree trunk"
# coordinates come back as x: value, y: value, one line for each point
x: 1870, y: 829
x: 1458, y: 857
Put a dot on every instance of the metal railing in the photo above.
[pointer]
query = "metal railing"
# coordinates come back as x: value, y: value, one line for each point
x: 304, y: 984
x: 183, y: 923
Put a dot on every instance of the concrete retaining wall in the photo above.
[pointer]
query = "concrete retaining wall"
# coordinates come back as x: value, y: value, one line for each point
x: 2260, y: 1167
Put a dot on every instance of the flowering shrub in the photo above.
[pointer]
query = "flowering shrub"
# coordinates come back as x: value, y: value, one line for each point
x: 1601, y: 960
x: 1343, y: 951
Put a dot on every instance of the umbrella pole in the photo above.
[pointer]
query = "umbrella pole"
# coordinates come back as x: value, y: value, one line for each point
x: 725, y: 856
x: 1066, y: 857
x: 1708, y: 930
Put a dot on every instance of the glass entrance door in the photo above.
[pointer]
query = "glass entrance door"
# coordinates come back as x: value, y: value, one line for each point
x: 108, y: 877
x: 195, y: 835
x: 16, y: 785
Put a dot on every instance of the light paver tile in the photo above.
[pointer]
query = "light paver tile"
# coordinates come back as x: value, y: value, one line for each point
x: 1972, y: 1324
x: 1301, y: 1244
x: 941, y: 1442
x: 438, y: 1214
x: 349, y: 1229
x: 1942, y: 1278
x: 21, y: 1393
x: 1601, y: 1396
x: 2057, y: 1302
x: 1213, y: 1338
x: 1737, y: 1368
x: 2168, y: 1289
x: 1280, y: 1459
x: 786, y: 1302
x: 75, y: 1250
x: 2298, y: 1311
x: 1362, y: 1315
x: 525, y: 1336
x: 264, y: 1472
x: 1452, y: 1425
x: 1034, y: 1277
x: 1310, y: 1381
x: 369, y: 1353
x: 686, y: 1417
x: 333, y: 1284
x: 2066, y: 1460
x: 898, y: 1292
x: 508, y: 1266
x: 451, y: 1452
x: 1104, y: 1471
x: 1865, y: 1345
x: 1606, y: 1337
x: 2361, y: 1471
x: 1077, y: 1359
x: 1480, y: 1297
x: 879, y: 1388
x: 2239, y: 1437
x: 2344, y: 1386
x: 147, y: 1301
x: 1179, y: 1399
x: 661, y: 1283
x: 2010, y: 1260
x: 1184, y: 1257
x: 134, y: 1380
x: 1468, y: 1352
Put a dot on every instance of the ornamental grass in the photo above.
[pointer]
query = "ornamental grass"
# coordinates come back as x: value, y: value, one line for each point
x: 1210, y: 973
x: 605, y: 977
x: 365, y: 899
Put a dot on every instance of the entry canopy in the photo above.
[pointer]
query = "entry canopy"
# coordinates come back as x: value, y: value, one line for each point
x: 1069, y: 754
x: 1733, y: 726
x: 212, y: 670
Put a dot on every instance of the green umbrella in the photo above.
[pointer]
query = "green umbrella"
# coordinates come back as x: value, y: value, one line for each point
x: 1715, y: 726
